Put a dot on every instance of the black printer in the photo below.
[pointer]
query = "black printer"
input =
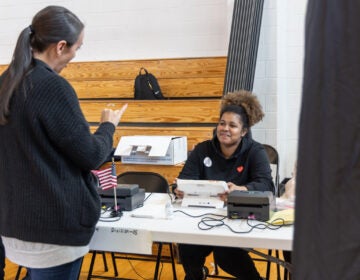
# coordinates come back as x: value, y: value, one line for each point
x: 255, y: 205
x: 128, y: 196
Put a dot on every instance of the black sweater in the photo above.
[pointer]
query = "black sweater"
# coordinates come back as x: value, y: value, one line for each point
x: 47, y: 192
x: 248, y: 166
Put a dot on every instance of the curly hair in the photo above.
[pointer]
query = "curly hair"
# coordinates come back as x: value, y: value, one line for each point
x: 248, y: 101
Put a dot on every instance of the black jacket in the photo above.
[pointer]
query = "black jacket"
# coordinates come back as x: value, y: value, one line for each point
x: 248, y: 166
x: 48, y: 193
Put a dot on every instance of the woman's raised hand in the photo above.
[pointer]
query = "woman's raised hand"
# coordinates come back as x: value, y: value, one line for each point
x: 113, y: 116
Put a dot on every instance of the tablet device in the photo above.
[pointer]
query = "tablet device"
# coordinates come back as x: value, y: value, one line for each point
x: 202, y: 187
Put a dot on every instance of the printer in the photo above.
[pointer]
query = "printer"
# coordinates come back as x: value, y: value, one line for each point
x: 255, y: 205
x: 128, y: 196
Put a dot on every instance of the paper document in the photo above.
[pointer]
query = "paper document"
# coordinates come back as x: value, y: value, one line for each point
x: 202, y: 193
x: 283, y: 217
x: 150, y: 212
x: 202, y: 187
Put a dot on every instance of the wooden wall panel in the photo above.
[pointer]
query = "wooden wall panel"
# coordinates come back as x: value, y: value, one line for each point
x: 170, y: 172
x: 171, y: 88
x: 162, y: 68
x: 178, y: 78
x: 194, y: 134
x: 154, y: 111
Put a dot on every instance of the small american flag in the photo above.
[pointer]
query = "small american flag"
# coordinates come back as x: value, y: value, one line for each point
x: 107, y: 177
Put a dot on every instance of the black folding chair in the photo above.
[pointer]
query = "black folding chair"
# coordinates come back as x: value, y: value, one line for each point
x: 152, y: 183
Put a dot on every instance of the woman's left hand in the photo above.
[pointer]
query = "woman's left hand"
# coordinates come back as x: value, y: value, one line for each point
x: 233, y: 187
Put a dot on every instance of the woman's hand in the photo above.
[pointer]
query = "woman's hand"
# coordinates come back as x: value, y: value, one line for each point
x: 177, y: 192
x: 223, y: 196
x: 233, y: 187
x: 113, y: 116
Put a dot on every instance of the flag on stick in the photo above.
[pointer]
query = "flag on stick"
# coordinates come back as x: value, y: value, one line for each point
x: 107, y: 177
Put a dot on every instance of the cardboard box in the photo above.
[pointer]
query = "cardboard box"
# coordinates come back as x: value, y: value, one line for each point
x: 162, y: 150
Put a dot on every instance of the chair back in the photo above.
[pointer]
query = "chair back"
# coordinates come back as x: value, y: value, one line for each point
x: 150, y: 181
x: 273, y: 156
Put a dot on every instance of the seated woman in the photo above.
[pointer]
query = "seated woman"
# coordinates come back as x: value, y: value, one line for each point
x: 232, y: 156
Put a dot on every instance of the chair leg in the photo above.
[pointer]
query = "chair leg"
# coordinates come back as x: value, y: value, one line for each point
x: 287, y: 274
x: 114, y: 264
x: 268, y: 266
x: 93, y: 262
x: 104, y: 260
x: 18, y: 272
x: 156, y: 273
x: 216, y: 268
x: 91, y: 265
x: 277, y: 265
x: 173, y: 261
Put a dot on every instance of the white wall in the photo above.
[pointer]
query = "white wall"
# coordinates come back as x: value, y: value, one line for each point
x: 291, y: 41
x: 278, y: 79
x: 128, y: 29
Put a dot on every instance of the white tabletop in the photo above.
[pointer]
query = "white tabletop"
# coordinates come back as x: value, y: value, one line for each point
x: 135, y: 235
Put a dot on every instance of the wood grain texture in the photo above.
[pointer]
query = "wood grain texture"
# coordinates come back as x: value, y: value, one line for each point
x: 207, y: 87
x: 178, y: 78
x: 194, y: 134
x: 156, y: 111
x: 161, y: 68
x: 169, y: 172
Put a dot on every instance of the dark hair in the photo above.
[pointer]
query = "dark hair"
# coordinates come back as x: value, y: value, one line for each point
x: 50, y: 25
x: 239, y: 110
x: 245, y: 104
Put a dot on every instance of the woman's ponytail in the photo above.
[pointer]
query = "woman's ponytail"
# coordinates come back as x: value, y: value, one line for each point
x: 14, y: 74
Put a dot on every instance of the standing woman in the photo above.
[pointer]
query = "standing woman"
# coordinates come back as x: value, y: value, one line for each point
x: 232, y: 156
x: 49, y: 205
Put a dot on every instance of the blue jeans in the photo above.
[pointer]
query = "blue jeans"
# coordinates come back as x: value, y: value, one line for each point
x: 68, y: 271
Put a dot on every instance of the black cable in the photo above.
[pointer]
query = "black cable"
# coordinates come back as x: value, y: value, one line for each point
x: 207, y: 223
x: 210, y: 221
x: 146, y: 198
x: 134, y: 269
x: 114, y: 216
x: 172, y: 198
x: 199, y: 216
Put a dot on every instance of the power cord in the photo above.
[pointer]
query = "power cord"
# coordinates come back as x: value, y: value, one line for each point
x: 207, y: 223
x: 210, y: 221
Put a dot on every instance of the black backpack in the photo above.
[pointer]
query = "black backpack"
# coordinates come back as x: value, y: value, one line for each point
x: 146, y: 86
